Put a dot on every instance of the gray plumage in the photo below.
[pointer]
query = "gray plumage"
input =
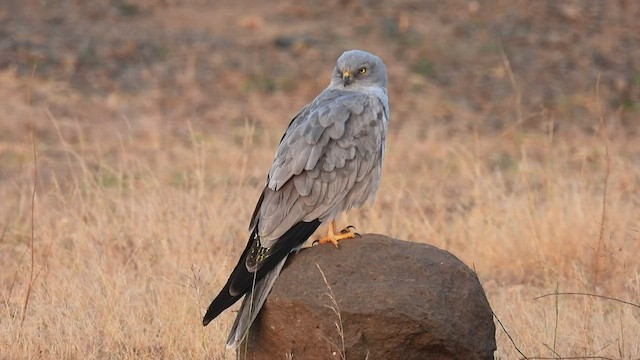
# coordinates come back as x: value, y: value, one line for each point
x: 328, y: 161
x: 332, y: 151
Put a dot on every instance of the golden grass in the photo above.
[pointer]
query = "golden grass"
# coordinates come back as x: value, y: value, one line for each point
x: 136, y: 230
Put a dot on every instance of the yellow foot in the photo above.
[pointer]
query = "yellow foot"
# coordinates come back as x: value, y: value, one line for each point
x: 346, y: 233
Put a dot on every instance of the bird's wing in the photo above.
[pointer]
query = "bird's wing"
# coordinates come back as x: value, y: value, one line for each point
x: 243, y: 278
x: 328, y: 161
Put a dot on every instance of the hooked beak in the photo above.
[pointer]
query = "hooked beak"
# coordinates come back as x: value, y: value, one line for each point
x: 346, y: 77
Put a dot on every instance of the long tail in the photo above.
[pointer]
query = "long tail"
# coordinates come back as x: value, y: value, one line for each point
x: 242, y: 280
x: 251, y: 305
x: 255, y: 285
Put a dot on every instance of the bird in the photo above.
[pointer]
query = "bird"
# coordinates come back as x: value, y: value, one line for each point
x: 328, y: 161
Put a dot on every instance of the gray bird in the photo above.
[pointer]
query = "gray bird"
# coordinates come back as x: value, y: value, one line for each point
x: 329, y: 160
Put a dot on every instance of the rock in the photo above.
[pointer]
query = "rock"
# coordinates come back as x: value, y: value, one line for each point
x: 395, y: 300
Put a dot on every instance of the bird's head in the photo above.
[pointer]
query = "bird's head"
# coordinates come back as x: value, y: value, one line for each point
x: 356, y: 68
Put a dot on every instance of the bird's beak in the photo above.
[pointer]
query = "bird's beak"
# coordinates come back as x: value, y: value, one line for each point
x: 346, y: 77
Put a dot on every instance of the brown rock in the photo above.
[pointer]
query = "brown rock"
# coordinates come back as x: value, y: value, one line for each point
x: 395, y: 300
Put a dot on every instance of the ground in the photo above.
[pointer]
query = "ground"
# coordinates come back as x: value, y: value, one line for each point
x: 513, y: 144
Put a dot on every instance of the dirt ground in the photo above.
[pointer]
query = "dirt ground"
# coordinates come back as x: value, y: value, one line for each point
x: 513, y: 143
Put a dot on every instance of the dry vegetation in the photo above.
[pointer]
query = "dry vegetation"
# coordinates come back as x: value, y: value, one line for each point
x: 143, y: 197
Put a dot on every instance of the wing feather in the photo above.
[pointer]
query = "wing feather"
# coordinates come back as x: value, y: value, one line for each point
x: 329, y: 149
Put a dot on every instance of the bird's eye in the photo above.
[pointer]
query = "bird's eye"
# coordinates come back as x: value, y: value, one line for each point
x: 362, y: 70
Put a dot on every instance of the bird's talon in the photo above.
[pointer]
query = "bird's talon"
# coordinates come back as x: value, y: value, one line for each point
x: 332, y: 237
x: 347, y: 229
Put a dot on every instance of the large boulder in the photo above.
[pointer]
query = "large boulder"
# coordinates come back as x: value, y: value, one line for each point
x: 382, y: 299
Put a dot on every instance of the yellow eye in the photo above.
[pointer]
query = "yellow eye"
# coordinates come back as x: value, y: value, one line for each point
x: 362, y: 70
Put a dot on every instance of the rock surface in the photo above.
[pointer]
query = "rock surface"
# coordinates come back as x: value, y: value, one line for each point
x: 395, y: 300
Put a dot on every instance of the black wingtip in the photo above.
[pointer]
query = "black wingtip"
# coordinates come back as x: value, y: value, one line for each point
x: 241, y: 279
x: 208, y: 316
x: 219, y: 304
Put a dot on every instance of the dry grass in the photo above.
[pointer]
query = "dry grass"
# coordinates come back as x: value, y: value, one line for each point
x: 335, y: 307
x: 136, y: 226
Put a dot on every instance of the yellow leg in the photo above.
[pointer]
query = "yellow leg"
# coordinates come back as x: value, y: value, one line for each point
x: 333, y: 238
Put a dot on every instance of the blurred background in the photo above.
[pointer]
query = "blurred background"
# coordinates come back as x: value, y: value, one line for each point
x: 217, y: 62
x: 513, y: 144
x: 484, y: 66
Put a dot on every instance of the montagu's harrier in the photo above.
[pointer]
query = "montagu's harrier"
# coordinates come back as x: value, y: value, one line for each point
x: 328, y: 161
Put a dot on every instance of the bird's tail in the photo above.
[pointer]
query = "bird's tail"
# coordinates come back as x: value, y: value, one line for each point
x: 251, y: 305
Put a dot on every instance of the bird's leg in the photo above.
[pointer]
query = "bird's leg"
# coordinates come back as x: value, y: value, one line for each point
x: 333, y: 238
